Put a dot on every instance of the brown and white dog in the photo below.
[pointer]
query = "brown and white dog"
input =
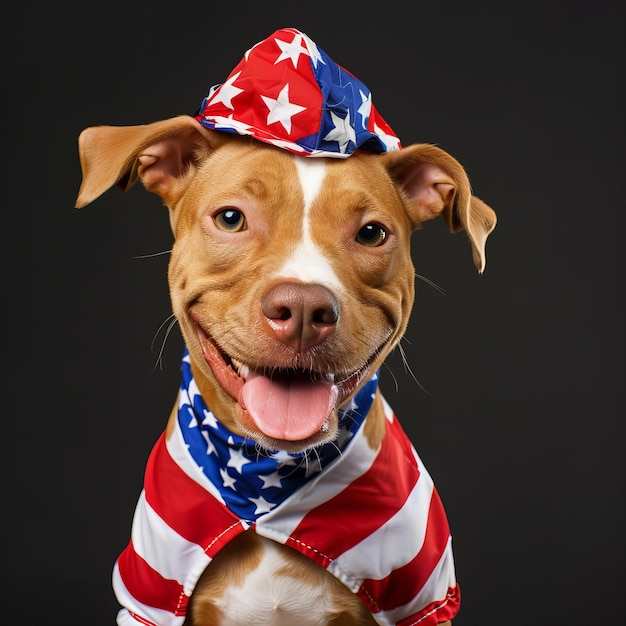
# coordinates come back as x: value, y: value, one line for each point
x: 291, y: 279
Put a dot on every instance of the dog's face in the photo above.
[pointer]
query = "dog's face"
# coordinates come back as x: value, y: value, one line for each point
x: 291, y: 277
x: 291, y: 280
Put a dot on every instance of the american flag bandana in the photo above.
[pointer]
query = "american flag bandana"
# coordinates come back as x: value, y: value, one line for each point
x: 371, y: 518
x: 250, y: 480
x: 286, y: 91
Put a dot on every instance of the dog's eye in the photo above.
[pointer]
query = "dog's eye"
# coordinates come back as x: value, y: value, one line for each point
x: 230, y: 220
x: 372, y: 235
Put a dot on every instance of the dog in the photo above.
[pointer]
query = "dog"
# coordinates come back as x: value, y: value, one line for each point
x: 283, y: 489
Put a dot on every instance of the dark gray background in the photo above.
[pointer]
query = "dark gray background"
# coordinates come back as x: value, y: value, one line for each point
x: 519, y: 411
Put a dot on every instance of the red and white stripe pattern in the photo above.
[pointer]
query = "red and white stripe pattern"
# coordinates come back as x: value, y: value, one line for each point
x: 372, y: 518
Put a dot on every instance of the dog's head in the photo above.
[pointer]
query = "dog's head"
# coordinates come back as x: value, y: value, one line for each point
x: 291, y: 277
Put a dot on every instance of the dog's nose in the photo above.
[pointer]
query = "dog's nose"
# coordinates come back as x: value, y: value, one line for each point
x: 301, y: 315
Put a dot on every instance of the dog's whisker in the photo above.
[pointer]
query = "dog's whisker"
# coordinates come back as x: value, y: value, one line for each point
x: 352, y: 416
x: 152, y: 255
x: 405, y: 359
x: 170, y: 321
x: 166, y: 321
x: 305, y: 461
x: 296, y: 466
x: 431, y: 283
x: 407, y: 368
x: 339, y: 450
x: 393, y: 376
x: 319, y: 459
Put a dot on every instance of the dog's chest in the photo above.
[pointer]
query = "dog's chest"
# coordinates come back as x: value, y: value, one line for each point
x: 279, y: 592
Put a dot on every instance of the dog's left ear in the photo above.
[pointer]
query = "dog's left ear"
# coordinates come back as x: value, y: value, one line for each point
x: 435, y: 183
x: 159, y: 154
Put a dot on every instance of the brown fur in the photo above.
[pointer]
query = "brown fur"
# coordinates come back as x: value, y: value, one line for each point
x: 218, y: 278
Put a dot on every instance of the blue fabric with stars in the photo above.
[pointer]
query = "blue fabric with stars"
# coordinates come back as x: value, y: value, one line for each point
x: 253, y: 481
x: 343, y: 96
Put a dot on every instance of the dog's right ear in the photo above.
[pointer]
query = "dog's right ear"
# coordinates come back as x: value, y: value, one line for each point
x: 435, y: 183
x: 159, y: 154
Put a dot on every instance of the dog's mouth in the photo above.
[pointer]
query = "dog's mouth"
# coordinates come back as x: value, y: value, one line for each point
x: 282, y: 404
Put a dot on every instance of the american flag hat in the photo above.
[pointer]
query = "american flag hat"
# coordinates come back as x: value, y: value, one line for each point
x: 286, y: 91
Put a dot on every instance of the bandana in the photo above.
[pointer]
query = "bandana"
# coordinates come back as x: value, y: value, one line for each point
x: 286, y: 91
x: 372, y: 517
x: 239, y: 470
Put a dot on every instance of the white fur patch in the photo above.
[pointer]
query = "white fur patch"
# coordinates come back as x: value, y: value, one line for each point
x: 307, y: 262
x: 268, y: 597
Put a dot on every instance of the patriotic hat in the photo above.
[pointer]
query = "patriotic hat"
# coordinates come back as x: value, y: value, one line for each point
x: 289, y: 93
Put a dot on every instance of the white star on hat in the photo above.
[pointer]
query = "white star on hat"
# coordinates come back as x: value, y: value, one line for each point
x: 391, y: 141
x: 291, y: 50
x: 227, y: 92
x: 281, y: 110
x: 365, y: 108
x: 343, y: 133
x: 314, y: 52
x: 228, y: 122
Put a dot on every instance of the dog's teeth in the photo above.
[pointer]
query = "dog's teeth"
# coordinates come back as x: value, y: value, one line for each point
x: 242, y: 370
x: 325, y: 427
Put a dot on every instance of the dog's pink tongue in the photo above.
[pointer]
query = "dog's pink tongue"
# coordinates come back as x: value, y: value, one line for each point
x: 290, y: 408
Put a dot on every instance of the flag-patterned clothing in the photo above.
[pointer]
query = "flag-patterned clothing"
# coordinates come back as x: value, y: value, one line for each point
x: 372, y: 518
x: 288, y: 92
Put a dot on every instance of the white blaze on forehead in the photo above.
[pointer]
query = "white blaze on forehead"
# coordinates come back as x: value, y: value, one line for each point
x: 307, y: 262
